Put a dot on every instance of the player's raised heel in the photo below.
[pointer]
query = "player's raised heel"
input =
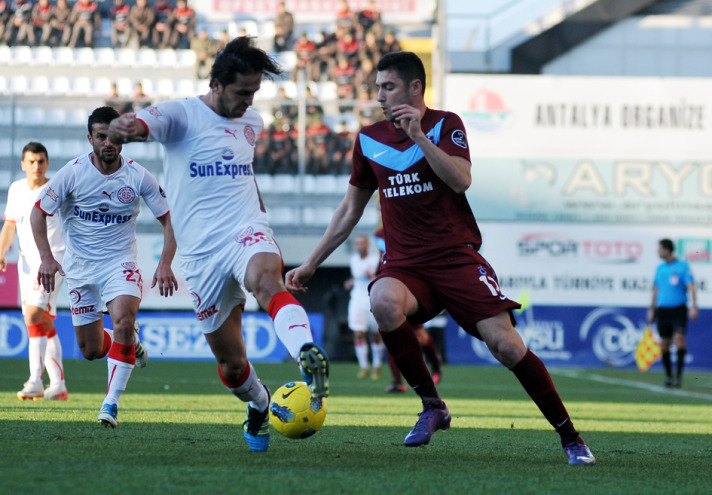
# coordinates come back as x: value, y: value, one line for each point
x: 431, y: 420
x: 314, y: 366
x: 256, y: 427
x: 141, y: 354
x: 31, y: 391
x: 56, y: 391
x: 107, y: 415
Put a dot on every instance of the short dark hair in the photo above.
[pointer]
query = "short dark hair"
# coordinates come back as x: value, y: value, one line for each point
x: 34, y: 147
x: 407, y: 65
x: 102, y: 115
x: 240, y: 56
x: 667, y: 244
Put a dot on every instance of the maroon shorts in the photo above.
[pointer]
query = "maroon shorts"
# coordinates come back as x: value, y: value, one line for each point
x: 461, y: 282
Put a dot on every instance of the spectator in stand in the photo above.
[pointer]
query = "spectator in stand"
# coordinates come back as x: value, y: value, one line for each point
x: 61, y: 27
x: 222, y: 41
x: 285, y: 107
x: 370, y: 48
x: 390, y: 43
x: 345, y: 18
x: 139, y: 99
x: 4, y: 17
x: 324, y: 60
x: 116, y: 101
x: 366, y: 75
x: 305, y: 49
x: 343, y: 75
x: 161, y: 35
x: 42, y: 14
x: 86, y: 22
x: 19, y: 30
x: 349, y: 47
x: 366, y: 108
x: 342, y: 148
x: 313, y: 105
x: 280, y: 147
x: 283, y: 29
x: 142, y: 18
x: 318, y: 139
x: 204, y: 48
x: 120, y: 26
x: 369, y: 19
x: 183, y: 26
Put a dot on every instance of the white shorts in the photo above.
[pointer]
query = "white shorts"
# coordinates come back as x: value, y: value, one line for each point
x: 215, y: 281
x: 32, y: 293
x: 360, y: 317
x: 92, y: 285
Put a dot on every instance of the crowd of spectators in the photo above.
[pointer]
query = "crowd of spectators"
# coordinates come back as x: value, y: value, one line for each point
x: 58, y: 23
x: 347, y: 56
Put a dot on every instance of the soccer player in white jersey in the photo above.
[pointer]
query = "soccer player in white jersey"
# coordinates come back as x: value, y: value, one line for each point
x: 39, y: 308
x: 97, y: 197
x: 361, y: 321
x: 224, y: 240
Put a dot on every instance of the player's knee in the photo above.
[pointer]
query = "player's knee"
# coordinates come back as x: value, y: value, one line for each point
x: 89, y: 351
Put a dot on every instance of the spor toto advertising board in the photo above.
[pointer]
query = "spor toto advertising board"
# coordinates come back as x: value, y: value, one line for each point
x: 585, y: 290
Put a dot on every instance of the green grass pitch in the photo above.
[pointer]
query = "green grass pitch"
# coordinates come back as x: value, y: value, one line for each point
x: 180, y: 433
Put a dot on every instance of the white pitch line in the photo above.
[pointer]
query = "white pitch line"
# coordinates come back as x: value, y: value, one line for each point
x: 630, y: 383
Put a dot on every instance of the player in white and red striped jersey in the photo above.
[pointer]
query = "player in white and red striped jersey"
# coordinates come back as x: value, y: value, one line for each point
x: 97, y: 197
x: 39, y: 308
x: 224, y: 239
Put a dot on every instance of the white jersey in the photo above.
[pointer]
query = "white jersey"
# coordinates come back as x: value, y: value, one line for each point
x: 363, y: 270
x: 208, y: 167
x: 20, y: 201
x: 98, y: 212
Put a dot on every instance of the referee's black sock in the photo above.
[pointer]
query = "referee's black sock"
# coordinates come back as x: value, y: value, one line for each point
x: 681, y: 353
x: 667, y: 363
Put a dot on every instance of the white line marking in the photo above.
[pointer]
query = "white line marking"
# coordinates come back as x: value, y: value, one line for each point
x: 630, y: 383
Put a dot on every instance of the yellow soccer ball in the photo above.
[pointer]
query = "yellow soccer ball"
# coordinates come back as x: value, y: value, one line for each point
x: 294, y: 413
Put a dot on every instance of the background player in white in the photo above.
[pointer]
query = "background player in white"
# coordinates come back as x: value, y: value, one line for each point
x: 224, y: 239
x: 361, y: 321
x: 39, y: 307
x: 97, y: 196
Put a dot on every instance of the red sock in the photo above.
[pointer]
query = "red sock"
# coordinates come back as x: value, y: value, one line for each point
x: 107, y: 345
x: 123, y: 353
x: 408, y: 356
x: 535, y: 379
x: 36, y: 330
x: 240, y: 381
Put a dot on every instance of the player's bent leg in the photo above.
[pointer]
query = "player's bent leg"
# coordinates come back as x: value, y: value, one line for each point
x: 92, y: 340
x: 238, y: 375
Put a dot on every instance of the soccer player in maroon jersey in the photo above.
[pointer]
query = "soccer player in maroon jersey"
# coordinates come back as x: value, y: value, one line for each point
x: 418, y: 159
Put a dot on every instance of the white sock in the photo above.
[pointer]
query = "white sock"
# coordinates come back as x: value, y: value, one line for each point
x: 292, y: 327
x: 377, y: 352
x: 53, y: 360
x: 361, y: 348
x: 252, y: 391
x: 119, y: 373
x: 37, y: 347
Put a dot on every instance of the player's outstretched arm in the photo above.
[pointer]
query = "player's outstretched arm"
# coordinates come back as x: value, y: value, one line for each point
x: 48, y: 265
x: 345, y: 218
x: 164, y: 277
x: 7, y: 234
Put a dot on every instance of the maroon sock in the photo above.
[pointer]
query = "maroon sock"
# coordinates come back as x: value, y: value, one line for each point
x: 395, y: 372
x: 535, y: 379
x: 408, y: 356
x: 432, y: 353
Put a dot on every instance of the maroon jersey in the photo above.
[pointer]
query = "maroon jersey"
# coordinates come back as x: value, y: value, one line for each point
x: 423, y: 218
